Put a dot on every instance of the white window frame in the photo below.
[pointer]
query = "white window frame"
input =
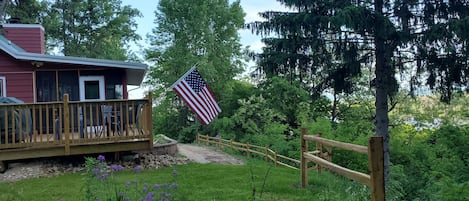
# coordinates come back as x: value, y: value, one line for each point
x: 4, y: 86
x: 100, y: 79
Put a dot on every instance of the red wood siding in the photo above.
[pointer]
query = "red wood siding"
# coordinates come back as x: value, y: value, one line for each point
x: 31, y: 39
x: 20, y: 86
x: 10, y: 65
x: 19, y: 78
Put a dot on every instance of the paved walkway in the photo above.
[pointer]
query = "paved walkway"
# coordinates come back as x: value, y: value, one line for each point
x: 201, y: 154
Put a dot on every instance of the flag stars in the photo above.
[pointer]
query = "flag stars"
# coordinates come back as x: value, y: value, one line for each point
x: 195, y: 81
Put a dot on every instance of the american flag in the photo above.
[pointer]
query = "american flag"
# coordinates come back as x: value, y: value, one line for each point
x: 195, y: 92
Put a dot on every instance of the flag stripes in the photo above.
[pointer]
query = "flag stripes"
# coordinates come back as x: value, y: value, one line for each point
x: 195, y: 92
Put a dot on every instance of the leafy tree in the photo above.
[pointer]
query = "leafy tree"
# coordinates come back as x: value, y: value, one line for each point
x: 26, y: 11
x: 202, y: 32
x: 285, y: 99
x: 93, y: 28
x: 325, y: 44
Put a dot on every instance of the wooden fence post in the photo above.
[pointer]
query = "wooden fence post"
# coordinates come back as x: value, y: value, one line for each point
x: 206, y: 140
x: 266, y: 153
x: 376, y: 166
x: 66, y: 124
x: 304, y: 164
x: 248, y: 153
x: 219, y: 142
x: 319, y: 150
x: 198, y: 138
x: 275, y: 158
x: 231, y: 144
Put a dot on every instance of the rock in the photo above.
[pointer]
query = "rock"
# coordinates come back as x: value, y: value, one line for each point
x: 52, y: 167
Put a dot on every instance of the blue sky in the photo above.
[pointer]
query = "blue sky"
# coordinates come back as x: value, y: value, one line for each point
x: 250, y: 7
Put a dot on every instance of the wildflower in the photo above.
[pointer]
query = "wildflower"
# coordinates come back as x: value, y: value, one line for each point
x: 96, y: 171
x: 116, y: 168
x: 174, y: 185
x: 101, y: 158
x: 127, y: 198
x: 175, y: 172
x: 156, y: 186
x: 138, y: 168
x: 128, y: 183
x: 165, y: 185
x: 103, y: 176
x: 121, y: 194
x: 150, y: 196
x: 99, y: 199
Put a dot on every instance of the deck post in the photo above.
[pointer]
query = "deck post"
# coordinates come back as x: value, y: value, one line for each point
x: 66, y: 124
x: 149, y: 118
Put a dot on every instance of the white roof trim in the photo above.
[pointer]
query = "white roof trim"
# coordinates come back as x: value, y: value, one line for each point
x: 23, y: 26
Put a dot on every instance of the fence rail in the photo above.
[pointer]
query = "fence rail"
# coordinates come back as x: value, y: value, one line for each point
x: 375, y: 179
x: 264, y: 152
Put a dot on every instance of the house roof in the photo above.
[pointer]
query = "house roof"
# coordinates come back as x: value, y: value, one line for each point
x: 135, y: 71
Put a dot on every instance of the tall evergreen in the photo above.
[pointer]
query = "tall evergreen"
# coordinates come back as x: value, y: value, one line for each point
x: 327, y: 44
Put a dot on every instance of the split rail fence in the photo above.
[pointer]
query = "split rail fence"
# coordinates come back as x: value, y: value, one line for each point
x: 251, y: 150
x: 375, y: 179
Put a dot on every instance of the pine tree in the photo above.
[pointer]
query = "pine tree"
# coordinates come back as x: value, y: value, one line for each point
x: 326, y: 44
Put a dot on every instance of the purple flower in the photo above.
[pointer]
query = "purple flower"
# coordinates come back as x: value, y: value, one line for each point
x: 121, y: 194
x: 96, y: 171
x: 127, y: 198
x: 150, y: 196
x: 165, y: 185
x: 174, y: 185
x: 128, y: 183
x: 175, y: 172
x: 116, y: 168
x: 164, y: 199
x: 138, y: 168
x: 101, y: 158
x: 103, y: 176
x: 156, y: 186
x: 99, y: 199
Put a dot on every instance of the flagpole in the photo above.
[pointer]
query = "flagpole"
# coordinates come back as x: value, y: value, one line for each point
x: 185, y: 74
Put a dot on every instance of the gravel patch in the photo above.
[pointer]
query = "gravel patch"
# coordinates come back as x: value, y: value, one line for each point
x: 26, y: 169
x: 34, y: 168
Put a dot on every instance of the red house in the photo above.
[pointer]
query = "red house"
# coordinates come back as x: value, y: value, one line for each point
x: 28, y: 74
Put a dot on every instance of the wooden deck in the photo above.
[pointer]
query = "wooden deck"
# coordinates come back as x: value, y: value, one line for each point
x: 71, y: 128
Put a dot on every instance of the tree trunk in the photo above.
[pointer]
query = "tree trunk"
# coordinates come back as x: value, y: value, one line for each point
x: 381, y: 82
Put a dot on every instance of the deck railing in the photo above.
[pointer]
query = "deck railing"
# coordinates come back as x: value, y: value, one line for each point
x: 69, y: 123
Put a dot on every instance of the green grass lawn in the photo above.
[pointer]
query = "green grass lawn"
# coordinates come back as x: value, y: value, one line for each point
x: 201, y: 182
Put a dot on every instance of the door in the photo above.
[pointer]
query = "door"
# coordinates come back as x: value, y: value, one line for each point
x: 91, y: 88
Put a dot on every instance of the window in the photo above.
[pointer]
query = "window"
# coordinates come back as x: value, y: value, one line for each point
x: 46, y: 86
x: 91, y: 88
x: 3, y: 86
